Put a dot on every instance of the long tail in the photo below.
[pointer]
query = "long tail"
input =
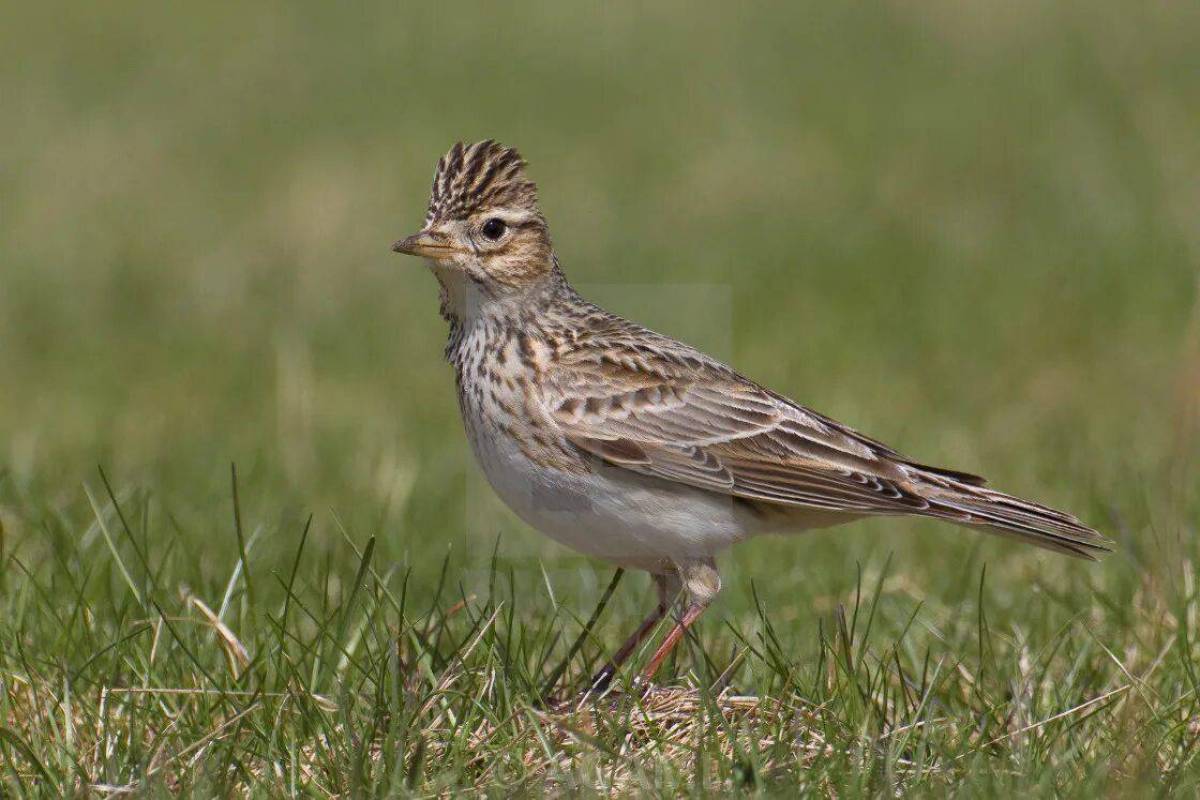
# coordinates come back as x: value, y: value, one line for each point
x: 962, y: 498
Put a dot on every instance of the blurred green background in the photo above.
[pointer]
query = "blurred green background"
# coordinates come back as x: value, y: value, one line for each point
x: 971, y: 230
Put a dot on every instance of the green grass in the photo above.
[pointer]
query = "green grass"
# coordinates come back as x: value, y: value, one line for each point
x: 968, y: 230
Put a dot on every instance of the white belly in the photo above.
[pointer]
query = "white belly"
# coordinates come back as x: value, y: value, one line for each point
x: 611, y: 513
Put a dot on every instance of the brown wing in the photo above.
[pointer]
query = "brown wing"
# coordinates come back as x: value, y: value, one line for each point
x: 658, y: 408
x: 681, y: 417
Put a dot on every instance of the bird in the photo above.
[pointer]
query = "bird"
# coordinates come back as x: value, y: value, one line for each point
x: 636, y: 449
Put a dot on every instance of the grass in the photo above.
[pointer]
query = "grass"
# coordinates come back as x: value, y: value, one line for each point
x: 306, y: 679
x: 969, y: 231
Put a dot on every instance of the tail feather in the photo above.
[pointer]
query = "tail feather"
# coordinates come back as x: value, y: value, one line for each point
x: 958, y: 476
x: 996, y: 512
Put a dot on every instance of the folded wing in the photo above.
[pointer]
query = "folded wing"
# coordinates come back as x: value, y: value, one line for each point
x: 681, y: 417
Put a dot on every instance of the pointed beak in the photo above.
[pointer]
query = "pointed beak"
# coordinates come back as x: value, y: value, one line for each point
x: 429, y: 244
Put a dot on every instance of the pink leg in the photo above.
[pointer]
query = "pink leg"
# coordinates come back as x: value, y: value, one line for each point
x: 601, y: 679
x: 690, y: 615
x: 667, y: 586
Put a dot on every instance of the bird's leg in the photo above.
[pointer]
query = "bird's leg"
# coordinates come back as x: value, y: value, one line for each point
x: 690, y: 615
x: 701, y: 582
x: 668, y: 587
x: 603, y: 678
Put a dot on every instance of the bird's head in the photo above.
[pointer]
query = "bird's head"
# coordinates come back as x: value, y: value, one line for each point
x: 484, y: 236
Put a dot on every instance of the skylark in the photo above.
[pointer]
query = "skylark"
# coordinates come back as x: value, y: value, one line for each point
x: 635, y: 448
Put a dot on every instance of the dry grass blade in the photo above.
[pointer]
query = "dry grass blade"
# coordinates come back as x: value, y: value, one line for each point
x: 456, y: 668
x: 204, y: 740
x: 1042, y: 723
x: 236, y: 654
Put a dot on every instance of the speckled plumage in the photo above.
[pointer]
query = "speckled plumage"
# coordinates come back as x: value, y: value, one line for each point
x: 636, y: 448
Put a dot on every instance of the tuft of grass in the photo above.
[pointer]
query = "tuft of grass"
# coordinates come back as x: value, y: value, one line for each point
x: 343, y: 679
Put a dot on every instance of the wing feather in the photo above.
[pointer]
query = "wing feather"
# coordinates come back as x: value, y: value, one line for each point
x: 723, y: 434
x: 648, y: 404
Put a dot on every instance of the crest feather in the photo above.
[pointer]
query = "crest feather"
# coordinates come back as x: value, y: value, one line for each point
x: 481, y: 175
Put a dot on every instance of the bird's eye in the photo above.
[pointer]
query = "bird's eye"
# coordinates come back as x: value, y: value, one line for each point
x: 494, y: 228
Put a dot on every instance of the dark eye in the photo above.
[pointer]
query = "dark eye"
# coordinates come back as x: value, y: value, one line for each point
x: 494, y: 228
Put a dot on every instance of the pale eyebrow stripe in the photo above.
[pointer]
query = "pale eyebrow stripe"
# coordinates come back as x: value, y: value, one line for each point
x: 512, y: 217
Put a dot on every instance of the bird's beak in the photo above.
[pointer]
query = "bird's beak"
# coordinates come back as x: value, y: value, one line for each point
x: 427, y: 243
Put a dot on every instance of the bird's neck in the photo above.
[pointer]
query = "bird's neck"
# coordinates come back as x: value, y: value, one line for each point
x: 479, y: 314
